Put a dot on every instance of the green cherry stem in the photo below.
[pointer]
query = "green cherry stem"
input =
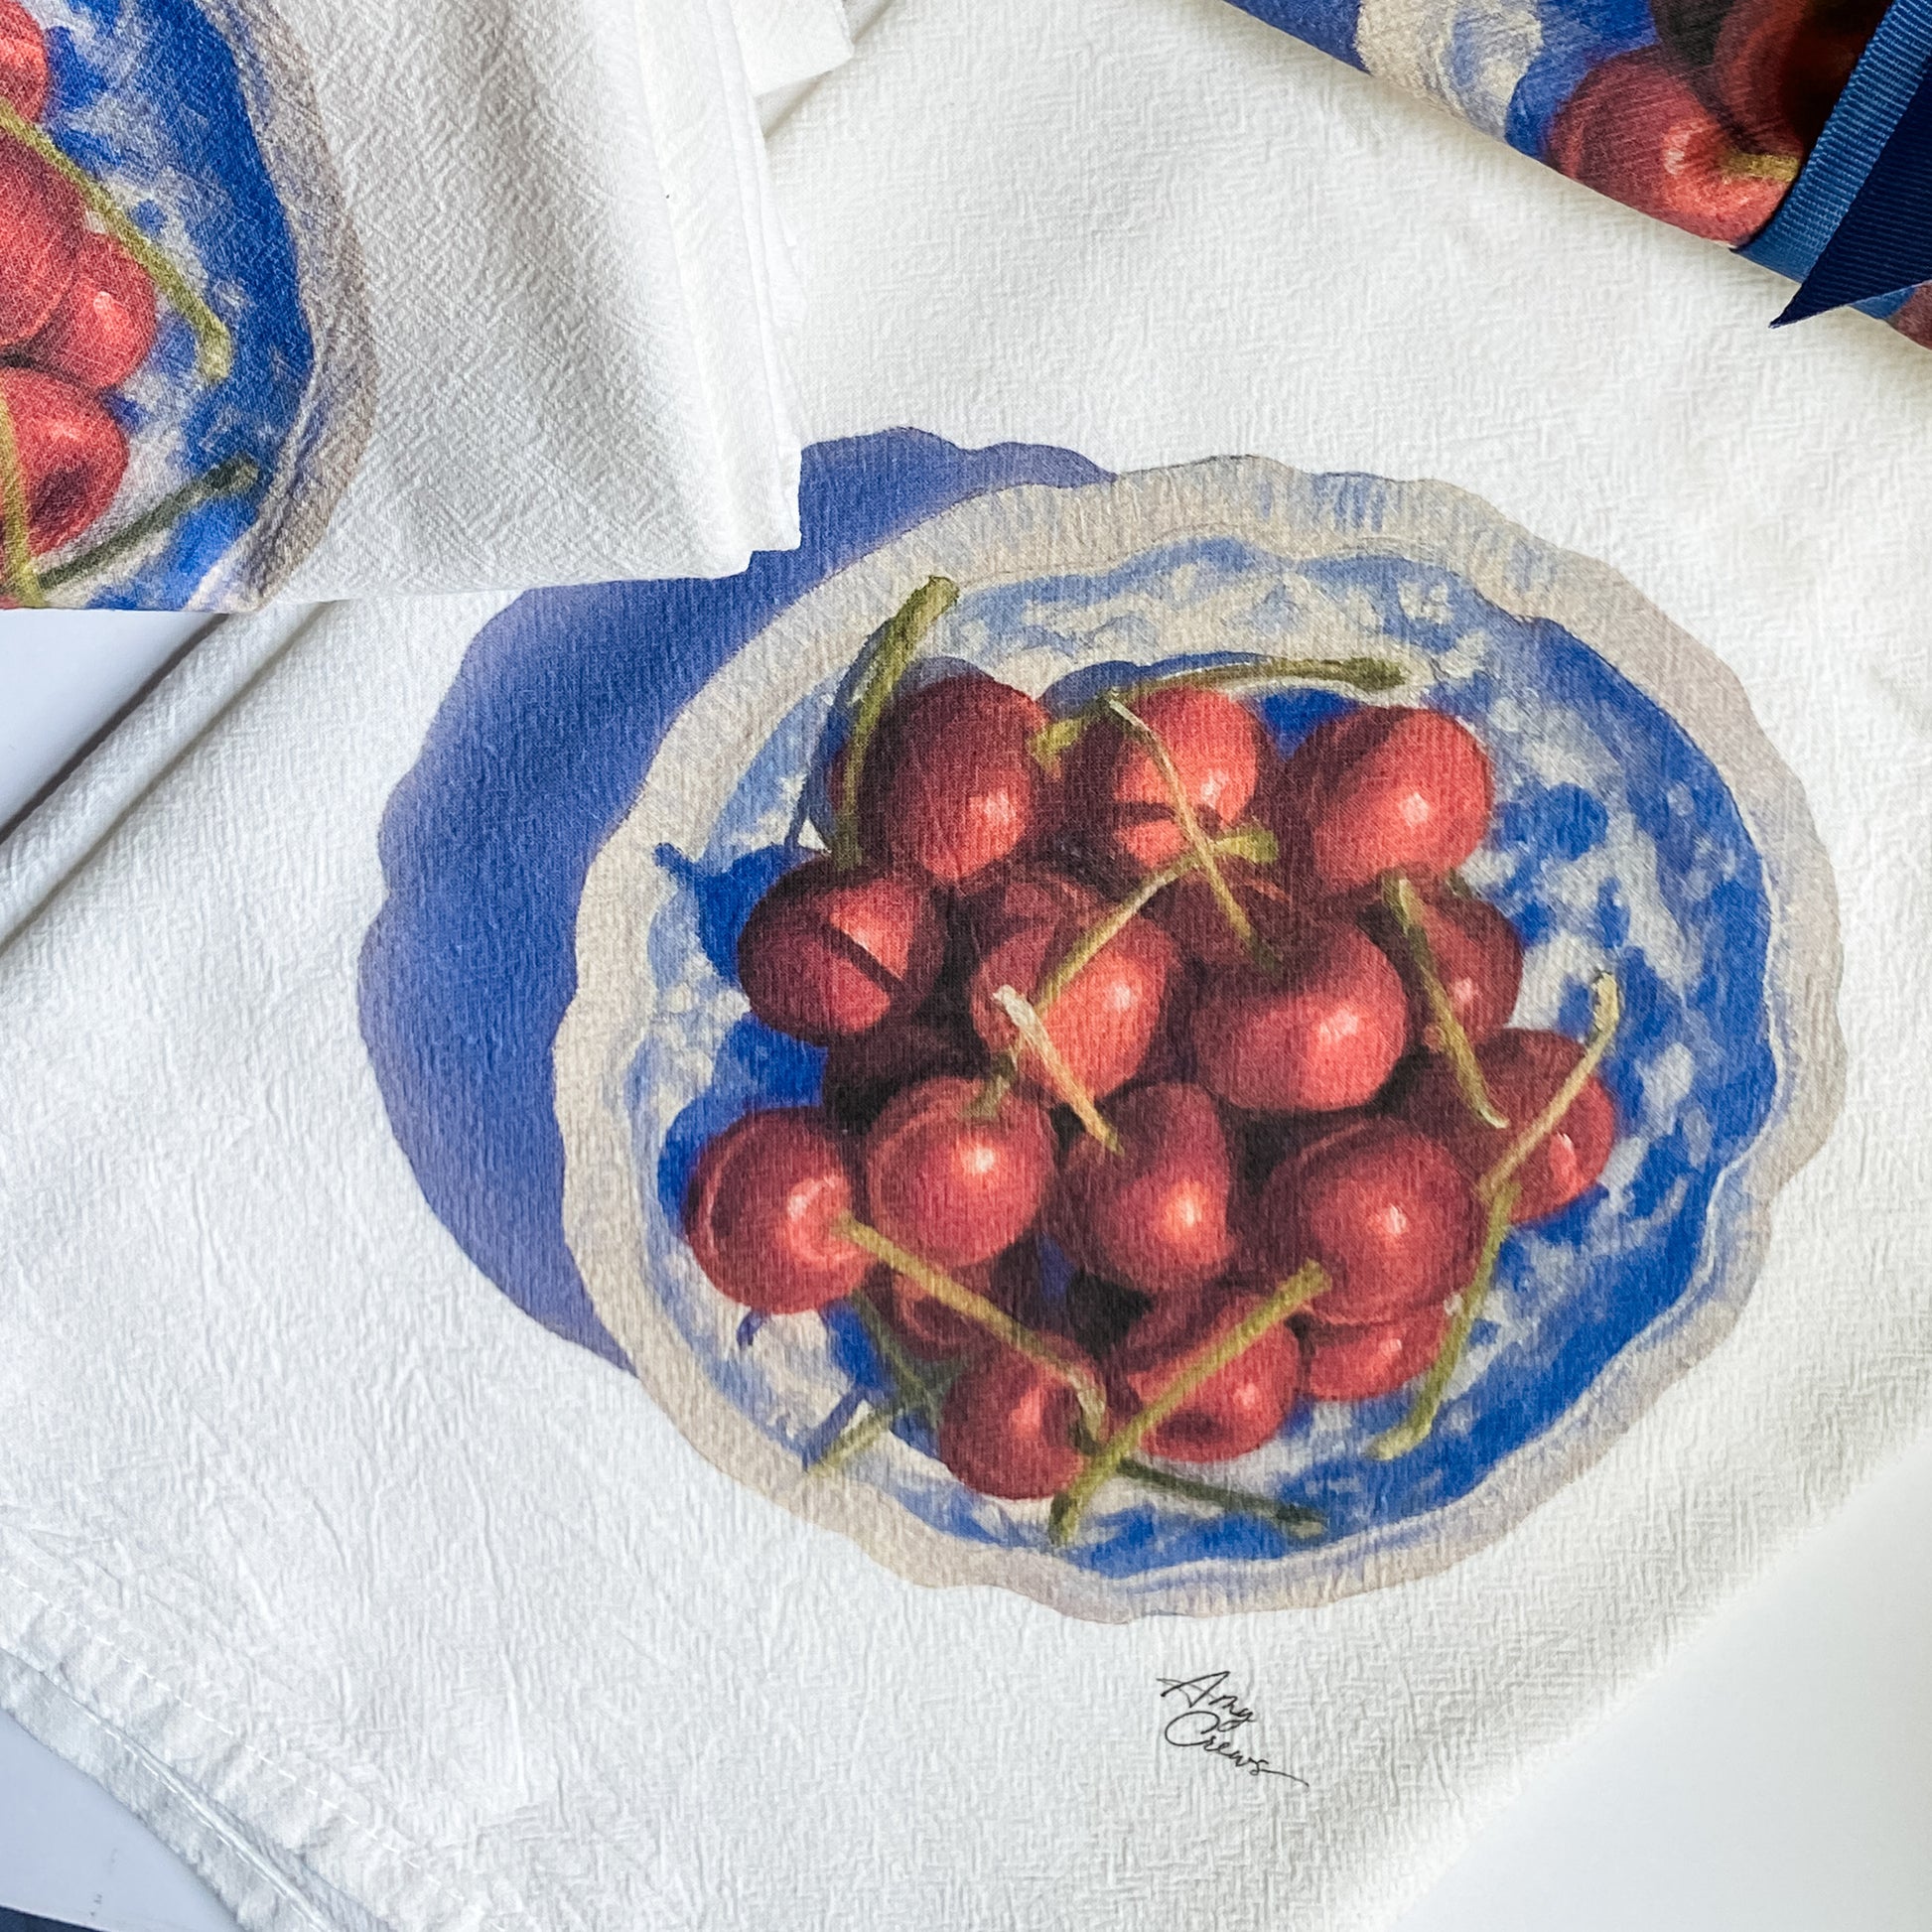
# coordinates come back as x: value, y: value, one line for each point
x: 1369, y: 674
x: 234, y: 478
x: 1497, y: 1190
x: 904, y: 631
x: 1414, y: 1427
x: 1066, y: 1083
x: 899, y: 1365
x: 1606, y: 1010
x: 976, y: 1308
x: 1405, y: 905
x: 24, y: 582
x: 1299, y: 1522
x: 861, y: 1432
x: 921, y: 1393
x: 1143, y: 733
x: 214, y: 346
x: 1252, y: 843
x: 1207, y: 1360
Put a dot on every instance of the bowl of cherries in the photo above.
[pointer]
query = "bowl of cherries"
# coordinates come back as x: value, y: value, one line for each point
x: 1225, y: 1032
x: 171, y: 429
x: 1177, y: 1127
x: 78, y: 315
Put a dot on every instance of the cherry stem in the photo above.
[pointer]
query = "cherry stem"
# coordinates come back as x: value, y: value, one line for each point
x: 898, y: 644
x: 1606, y: 1010
x: 1405, y: 905
x: 1414, y: 1427
x: 976, y: 1308
x: 1760, y: 167
x: 915, y: 1387
x: 1372, y: 674
x: 1232, y: 910
x: 898, y: 1364
x: 1066, y: 1083
x: 1251, y: 842
x: 1206, y: 1362
x: 233, y: 477
x: 214, y: 346
x: 17, y: 515
x: 917, y: 1392
x: 1298, y: 1521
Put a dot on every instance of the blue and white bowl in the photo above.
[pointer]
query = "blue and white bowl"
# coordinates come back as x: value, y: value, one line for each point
x: 1643, y: 825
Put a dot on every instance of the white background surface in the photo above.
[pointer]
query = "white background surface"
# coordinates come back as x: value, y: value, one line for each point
x: 1776, y: 1777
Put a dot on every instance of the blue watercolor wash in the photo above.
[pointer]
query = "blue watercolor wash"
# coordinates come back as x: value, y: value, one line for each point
x: 147, y: 96
x: 1578, y: 35
x: 1326, y: 24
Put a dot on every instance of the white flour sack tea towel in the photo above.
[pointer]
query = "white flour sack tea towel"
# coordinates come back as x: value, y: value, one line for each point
x: 338, y: 299
x: 1084, y: 1205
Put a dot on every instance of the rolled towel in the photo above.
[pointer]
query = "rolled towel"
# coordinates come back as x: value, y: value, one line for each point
x: 334, y: 299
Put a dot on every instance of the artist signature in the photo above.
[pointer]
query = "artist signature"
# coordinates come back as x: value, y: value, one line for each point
x: 1210, y: 1718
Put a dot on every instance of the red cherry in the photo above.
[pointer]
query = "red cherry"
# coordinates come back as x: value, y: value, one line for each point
x: 1023, y: 895
x: 1382, y: 789
x: 1008, y: 1428
x: 1170, y: 1056
x: 1239, y: 1407
x: 1913, y: 316
x: 863, y: 1072
x: 827, y: 954
x: 952, y: 1188
x: 23, y: 60
x: 1324, y: 1033
x: 950, y: 787
x: 1153, y: 1216
x: 1387, y: 1213
x: 1522, y: 1071
x: 40, y: 236
x: 930, y: 1328
x: 1780, y: 65
x: 1265, y: 1141
x: 1636, y: 130
x: 1357, y: 1364
x: 1106, y: 1019
x: 1217, y: 747
x: 760, y: 1212
x: 103, y: 327
x: 1193, y: 916
x: 73, y: 454
x: 1478, y: 959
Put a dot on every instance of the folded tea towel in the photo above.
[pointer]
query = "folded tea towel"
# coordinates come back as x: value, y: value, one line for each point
x: 786, y: 42
x: 1754, y: 122
x: 340, y: 300
x: 404, y: 1515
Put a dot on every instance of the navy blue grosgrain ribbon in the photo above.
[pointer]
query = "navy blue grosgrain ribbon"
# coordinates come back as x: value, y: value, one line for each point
x: 1856, y: 228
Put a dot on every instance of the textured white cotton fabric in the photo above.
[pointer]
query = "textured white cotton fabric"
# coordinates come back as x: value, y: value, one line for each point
x: 788, y: 40
x: 568, y: 254
x: 393, y: 1610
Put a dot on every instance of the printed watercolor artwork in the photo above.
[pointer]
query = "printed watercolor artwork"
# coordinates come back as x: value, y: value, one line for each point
x: 1182, y: 1042
x: 1698, y: 113
x: 184, y: 373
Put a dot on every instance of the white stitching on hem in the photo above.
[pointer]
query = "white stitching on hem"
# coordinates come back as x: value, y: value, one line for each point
x: 380, y: 1840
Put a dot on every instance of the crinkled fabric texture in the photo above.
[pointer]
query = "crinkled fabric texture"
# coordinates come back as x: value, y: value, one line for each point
x: 448, y: 297
x: 393, y: 1609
